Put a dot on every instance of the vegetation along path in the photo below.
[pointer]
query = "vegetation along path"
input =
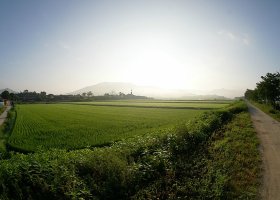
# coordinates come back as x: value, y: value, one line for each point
x: 4, y: 115
x: 268, y: 131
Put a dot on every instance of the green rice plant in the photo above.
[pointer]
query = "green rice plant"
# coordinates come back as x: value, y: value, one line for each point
x: 205, y: 105
x: 68, y: 126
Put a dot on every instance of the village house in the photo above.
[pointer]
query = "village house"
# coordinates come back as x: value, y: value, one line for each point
x: 4, y: 102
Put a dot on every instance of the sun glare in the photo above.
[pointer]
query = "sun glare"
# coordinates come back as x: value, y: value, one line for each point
x: 154, y: 61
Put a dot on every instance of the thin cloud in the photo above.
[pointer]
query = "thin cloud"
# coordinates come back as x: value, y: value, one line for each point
x: 241, y: 38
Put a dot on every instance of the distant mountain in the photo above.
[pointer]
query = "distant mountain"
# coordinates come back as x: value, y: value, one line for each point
x: 205, y: 97
x: 127, y: 88
x: 149, y: 91
x: 227, y: 93
x: 8, y: 89
x: 107, y: 87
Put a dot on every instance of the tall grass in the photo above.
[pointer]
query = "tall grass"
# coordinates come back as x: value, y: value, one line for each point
x: 268, y: 109
x: 5, y: 131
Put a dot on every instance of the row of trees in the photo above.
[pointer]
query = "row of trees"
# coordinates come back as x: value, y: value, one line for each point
x: 6, y: 95
x: 27, y: 96
x: 267, y: 90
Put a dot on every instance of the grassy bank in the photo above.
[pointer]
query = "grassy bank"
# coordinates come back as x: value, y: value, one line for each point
x: 2, y: 109
x: 235, y: 158
x: 268, y: 109
x: 214, y: 156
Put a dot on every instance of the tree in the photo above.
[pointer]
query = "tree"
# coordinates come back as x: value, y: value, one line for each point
x: 89, y: 94
x: 43, y: 96
x: 250, y: 94
x: 84, y: 94
x: 269, y: 88
x: 5, y: 94
x: 13, y: 97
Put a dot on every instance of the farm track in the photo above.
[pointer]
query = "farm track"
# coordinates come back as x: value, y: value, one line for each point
x: 268, y: 131
x: 135, y: 106
x: 4, y: 115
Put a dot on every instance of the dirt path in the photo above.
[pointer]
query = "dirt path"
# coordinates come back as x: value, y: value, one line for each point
x: 3, y: 116
x: 268, y: 131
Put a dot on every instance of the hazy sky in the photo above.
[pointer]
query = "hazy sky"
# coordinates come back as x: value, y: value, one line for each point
x: 62, y: 45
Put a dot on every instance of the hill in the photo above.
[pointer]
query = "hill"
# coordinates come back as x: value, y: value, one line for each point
x: 149, y: 91
x: 116, y: 87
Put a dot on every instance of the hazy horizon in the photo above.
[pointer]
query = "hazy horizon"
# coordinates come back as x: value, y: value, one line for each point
x: 63, y: 46
x: 145, y: 90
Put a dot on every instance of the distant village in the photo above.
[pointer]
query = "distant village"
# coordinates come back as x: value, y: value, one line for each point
x: 27, y: 96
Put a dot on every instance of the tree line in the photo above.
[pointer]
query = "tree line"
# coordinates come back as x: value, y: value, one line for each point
x: 267, y: 90
x: 27, y: 96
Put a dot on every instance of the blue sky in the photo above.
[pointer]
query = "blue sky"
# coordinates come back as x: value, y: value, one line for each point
x: 61, y: 46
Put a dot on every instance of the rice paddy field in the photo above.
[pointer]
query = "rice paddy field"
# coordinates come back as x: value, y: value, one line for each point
x: 160, y: 104
x: 88, y: 124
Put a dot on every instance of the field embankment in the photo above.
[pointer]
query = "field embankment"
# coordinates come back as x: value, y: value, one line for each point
x: 214, y: 156
x: 7, y: 121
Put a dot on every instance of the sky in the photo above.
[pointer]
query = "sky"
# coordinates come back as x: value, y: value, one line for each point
x: 61, y: 46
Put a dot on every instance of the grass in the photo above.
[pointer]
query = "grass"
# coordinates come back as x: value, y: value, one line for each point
x: 214, y: 156
x: 5, y: 130
x: 2, y: 108
x: 71, y: 126
x: 268, y: 109
x: 236, y: 158
x: 2, y: 136
x: 2, y: 142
